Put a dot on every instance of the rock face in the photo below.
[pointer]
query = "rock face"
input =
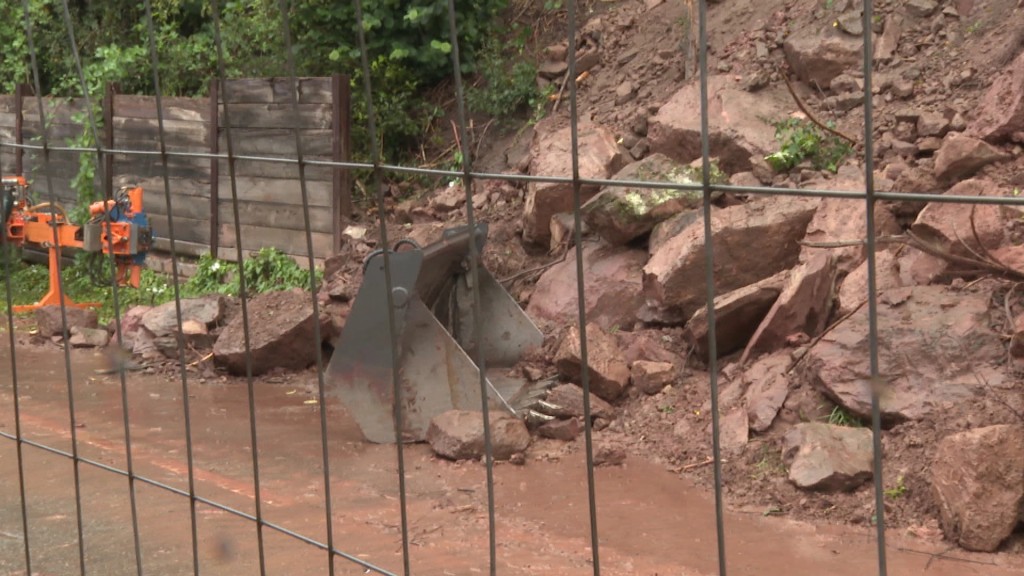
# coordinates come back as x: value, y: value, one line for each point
x: 978, y: 481
x: 131, y: 322
x: 737, y: 316
x: 961, y: 156
x: 552, y: 156
x: 652, y: 377
x: 609, y: 374
x: 948, y: 226
x: 566, y: 401
x: 737, y: 125
x: 622, y: 214
x: 751, y: 242
x: 163, y: 319
x: 459, y: 435
x: 50, y: 323
x: 854, y: 289
x: 281, y: 328
x: 803, y: 306
x: 768, y: 388
x: 935, y: 350
x: 841, y: 220
x: 820, y: 54
x: 614, y: 290
x: 88, y: 337
x: 1001, y: 112
x: 828, y: 458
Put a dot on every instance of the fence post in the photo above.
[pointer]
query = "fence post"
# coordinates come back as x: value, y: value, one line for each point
x: 19, y: 128
x: 213, y: 136
x: 108, y: 140
x: 341, y: 178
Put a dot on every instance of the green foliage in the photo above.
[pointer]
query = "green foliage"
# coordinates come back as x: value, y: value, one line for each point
x: 897, y: 491
x: 840, y: 417
x: 267, y: 270
x: 88, y: 280
x: 803, y: 140
x: 509, y: 81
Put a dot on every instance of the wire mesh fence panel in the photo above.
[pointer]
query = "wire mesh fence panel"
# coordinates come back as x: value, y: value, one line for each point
x: 509, y: 374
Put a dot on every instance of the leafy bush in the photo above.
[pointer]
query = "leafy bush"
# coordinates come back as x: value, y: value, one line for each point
x: 507, y: 89
x: 803, y: 140
x: 267, y: 270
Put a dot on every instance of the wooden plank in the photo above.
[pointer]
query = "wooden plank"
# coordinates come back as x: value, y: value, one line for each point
x: 175, y: 108
x: 183, y: 248
x: 276, y: 142
x: 277, y: 115
x: 265, y: 90
x: 275, y: 191
x: 152, y: 168
x: 287, y: 241
x: 178, y: 132
x: 7, y: 103
x: 8, y: 119
x: 275, y: 170
x: 185, y: 229
x: 153, y: 187
x: 280, y: 216
x: 195, y: 207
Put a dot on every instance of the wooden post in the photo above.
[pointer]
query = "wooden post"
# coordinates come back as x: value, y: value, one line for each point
x: 341, y: 197
x: 108, y: 140
x: 213, y: 136
x: 19, y: 128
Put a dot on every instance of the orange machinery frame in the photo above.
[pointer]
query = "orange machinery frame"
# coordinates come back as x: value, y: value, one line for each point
x: 46, y: 225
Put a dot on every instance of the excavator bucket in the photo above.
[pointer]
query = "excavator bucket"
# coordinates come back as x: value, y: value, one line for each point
x: 433, y: 306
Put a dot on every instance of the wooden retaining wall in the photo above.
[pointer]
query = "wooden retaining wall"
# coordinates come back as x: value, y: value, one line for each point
x: 258, y: 116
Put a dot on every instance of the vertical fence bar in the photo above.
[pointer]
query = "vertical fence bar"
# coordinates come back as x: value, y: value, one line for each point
x: 243, y: 293
x: 474, y: 271
x: 577, y: 203
x: 341, y: 178
x: 12, y: 341
x: 293, y: 91
x: 398, y: 409
x: 176, y: 285
x: 52, y: 197
x: 213, y: 137
x: 19, y: 128
x: 108, y: 140
x: 869, y: 217
x: 709, y: 280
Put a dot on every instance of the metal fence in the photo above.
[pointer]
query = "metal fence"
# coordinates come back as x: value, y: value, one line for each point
x: 338, y: 557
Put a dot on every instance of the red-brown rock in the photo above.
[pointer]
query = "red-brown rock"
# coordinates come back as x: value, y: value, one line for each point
x: 820, y: 53
x: 737, y: 316
x: 612, y: 277
x: 751, y: 242
x: 1001, y: 111
x: 599, y: 157
x: 978, y: 482
x: 609, y: 373
x: 961, y: 156
x: 459, y: 435
x: 652, y: 377
x: 767, y: 390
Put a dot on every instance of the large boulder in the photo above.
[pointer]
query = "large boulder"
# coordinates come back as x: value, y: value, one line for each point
x: 959, y: 229
x: 612, y: 277
x: 853, y: 292
x: 163, y: 319
x: 935, y: 348
x: 962, y: 156
x: 599, y: 157
x: 751, y: 242
x: 737, y: 316
x: 803, y: 307
x: 621, y: 214
x: 566, y: 401
x: 459, y: 435
x: 828, y: 458
x: 978, y: 481
x: 738, y: 123
x: 281, y: 330
x: 841, y: 220
x: 1000, y: 115
x: 817, y: 55
x: 767, y: 389
x: 608, y: 371
x: 50, y: 322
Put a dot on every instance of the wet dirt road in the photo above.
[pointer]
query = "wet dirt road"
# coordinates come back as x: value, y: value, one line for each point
x: 650, y: 521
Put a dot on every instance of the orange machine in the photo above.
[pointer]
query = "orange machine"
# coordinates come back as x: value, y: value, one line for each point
x: 117, y: 226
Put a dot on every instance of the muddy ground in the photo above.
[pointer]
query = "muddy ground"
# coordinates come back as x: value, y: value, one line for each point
x: 651, y: 521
